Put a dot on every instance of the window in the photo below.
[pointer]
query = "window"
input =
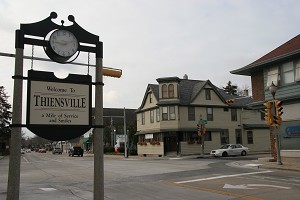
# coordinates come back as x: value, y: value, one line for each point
x: 297, y: 71
x: 171, y: 91
x: 172, y: 112
x: 143, y: 118
x: 233, y: 114
x: 150, y: 97
x: 238, y: 136
x: 262, y: 115
x: 157, y: 115
x: 164, y: 91
x: 250, y: 137
x: 210, y: 116
x: 207, y: 136
x: 165, y: 113
x: 272, y: 76
x: 207, y: 94
x: 288, y: 73
x: 191, y: 113
x: 151, y: 116
x: 224, y: 137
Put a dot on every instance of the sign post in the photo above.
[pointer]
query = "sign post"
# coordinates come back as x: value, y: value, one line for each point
x: 58, y: 109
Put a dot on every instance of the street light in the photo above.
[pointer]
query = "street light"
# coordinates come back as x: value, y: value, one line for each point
x: 273, y: 89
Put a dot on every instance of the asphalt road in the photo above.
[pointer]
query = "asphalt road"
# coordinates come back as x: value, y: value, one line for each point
x: 47, y: 176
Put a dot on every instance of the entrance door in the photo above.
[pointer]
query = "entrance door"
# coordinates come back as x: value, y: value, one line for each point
x: 170, y: 141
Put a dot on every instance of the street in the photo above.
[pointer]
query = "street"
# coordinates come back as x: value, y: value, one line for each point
x: 47, y: 176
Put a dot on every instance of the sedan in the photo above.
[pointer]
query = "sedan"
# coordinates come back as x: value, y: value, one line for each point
x: 42, y: 151
x: 230, y: 150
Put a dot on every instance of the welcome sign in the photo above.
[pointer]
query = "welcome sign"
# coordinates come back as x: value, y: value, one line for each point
x: 60, y: 104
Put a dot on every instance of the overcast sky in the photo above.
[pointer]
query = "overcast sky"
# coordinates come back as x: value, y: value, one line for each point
x: 150, y: 39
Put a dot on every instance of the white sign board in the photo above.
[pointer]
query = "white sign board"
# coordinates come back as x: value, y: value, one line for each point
x: 149, y: 136
x: 54, y: 103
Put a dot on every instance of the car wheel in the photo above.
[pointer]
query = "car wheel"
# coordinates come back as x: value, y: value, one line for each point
x: 224, y: 154
x: 244, y: 153
x: 72, y: 155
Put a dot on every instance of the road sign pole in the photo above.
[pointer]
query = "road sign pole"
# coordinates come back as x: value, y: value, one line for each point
x: 98, y: 134
x: 13, y: 185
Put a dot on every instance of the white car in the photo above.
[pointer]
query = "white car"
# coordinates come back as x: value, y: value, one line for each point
x: 230, y: 150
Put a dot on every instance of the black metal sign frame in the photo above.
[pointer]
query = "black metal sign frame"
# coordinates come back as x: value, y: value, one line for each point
x: 35, y: 34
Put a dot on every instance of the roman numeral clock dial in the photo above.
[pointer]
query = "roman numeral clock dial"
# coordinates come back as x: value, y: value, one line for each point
x: 62, y: 45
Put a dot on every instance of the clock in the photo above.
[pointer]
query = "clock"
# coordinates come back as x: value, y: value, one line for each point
x: 62, y: 46
x: 63, y: 43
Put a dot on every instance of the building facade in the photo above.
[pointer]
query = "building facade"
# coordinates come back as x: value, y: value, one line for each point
x: 168, y: 116
x: 282, y: 67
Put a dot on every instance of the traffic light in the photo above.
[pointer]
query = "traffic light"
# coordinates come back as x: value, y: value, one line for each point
x: 112, y: 72
x: 198, y: 130
x: 204, y: 130
x: 278, y: 113
x: 229, y: 101
x: 268, y: 114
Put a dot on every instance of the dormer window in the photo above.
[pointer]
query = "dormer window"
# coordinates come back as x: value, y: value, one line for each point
x: 171, y: 91
x: 164, y: 89
x: 167, y: 91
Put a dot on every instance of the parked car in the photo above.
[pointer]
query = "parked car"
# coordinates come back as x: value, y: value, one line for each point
x: 57, y: 150
x: 22, y: 151
x: 42, y: 151
x: 28, y: 150
x: 76, y: 151
x: 230, y: 150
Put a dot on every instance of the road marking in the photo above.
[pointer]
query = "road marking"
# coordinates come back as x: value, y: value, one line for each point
x: 48, y: 189
x: 25, y: 159
x: 252, y: 165
x: 219, y: 177
x: 250, y: 186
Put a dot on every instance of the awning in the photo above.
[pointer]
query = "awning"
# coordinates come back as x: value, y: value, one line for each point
x: 256, y: 126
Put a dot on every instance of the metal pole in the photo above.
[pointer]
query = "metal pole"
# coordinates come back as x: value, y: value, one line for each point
x: 125, y: 134
x: 98, y: 134
x: 202, y: 140
x: 278, y: 148
x: 13, y: 185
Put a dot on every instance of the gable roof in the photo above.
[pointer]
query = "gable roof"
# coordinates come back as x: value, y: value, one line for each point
x: 286, y: 50
x: 189, y: 90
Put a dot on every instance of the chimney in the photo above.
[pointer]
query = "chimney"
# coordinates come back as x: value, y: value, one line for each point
x: 185, y: 76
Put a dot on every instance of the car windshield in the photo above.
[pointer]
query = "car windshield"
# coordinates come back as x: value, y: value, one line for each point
x: 225, y: 146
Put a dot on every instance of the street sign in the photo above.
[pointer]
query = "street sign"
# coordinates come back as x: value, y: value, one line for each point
x: 202, y: 121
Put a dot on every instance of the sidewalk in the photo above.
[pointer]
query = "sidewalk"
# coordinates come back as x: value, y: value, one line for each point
x: 269, y: 163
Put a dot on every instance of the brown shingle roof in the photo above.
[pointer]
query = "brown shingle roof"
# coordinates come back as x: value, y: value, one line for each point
x: 286, y: 50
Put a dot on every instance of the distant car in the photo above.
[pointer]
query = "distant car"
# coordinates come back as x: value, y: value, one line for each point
x: 42, y: 150
x: 230, y: 150
x: 22, y: 151
x: 76, y: 151
x: 28, y: 150
x: 57, y: 150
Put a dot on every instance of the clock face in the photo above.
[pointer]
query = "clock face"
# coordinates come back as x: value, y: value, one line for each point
x: 63, y: 43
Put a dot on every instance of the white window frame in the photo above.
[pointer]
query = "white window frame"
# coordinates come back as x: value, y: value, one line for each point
x: 172, y: 113
x: 297, y: 71
x: 151, y: 116
x: 143, y: 118
x: 165, y: 113
x: 272, y: 76
x: 157, y: 114
x: 287, y: 73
